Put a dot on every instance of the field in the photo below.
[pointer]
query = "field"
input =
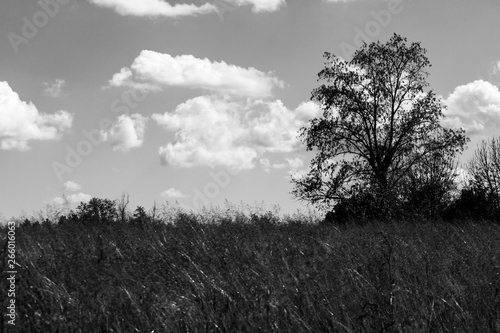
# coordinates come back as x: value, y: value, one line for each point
x: 258, y: 274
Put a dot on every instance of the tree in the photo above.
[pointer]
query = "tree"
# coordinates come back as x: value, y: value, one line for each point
x: 484, y: 170
x: 97, y: 210
x: 378, y: 123
x: 122, y: 204
x: 140, y: 216
x: 429, y: 187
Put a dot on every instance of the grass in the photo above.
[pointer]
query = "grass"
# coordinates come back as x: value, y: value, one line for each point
x: 258, y: 275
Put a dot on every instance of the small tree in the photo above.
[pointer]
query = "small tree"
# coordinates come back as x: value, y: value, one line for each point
x: 484, y: 169
x: 97, y: 210
x: 140, y: 216
x: 122, y: 204
x: 378, y: 123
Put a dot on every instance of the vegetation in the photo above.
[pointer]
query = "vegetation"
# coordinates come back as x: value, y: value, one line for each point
x: 228, y: 271
x: 379, y: 140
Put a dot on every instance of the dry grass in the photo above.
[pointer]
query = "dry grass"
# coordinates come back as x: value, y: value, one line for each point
x: 259, y: 276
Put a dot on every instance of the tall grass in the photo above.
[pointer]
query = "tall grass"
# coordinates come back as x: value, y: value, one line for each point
x: 258, y: 273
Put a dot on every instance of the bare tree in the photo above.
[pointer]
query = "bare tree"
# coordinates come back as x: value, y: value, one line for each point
x: 122, y: 204
x: 484, y: 169
x: 153, y: 212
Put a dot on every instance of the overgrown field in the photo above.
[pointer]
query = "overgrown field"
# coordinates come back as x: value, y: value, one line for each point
x: 258, y: 276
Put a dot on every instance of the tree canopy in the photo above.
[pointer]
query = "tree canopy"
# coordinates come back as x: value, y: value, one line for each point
x: 379, y: 122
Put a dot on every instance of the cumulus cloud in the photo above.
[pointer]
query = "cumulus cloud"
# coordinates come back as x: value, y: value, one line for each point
x: 154, y: 8
x: 126, y: 133
x: 215, y: 131
x: 71, y: 186
x: 54, y: 88
x: 152, y: 70
x: 21, y: 121
x: 474, y: 107
x: 73, y: 198
x: 124, y: 78
x: 172, y: 193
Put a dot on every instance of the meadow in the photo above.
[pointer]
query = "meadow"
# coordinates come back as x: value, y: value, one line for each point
x: 257, y: 273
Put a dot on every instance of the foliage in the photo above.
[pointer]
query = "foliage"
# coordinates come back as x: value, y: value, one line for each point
x: 140, y: 216
x: 472, y: 204
x: 97, y: 211
x: 430, y: 185
x: 379, y: 125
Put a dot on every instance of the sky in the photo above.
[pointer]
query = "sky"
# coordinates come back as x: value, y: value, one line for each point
x: 201, y: 102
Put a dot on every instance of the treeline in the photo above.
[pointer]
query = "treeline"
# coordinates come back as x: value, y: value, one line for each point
x: 102, y: 211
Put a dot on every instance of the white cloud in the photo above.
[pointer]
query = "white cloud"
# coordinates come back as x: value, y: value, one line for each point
x: 297, y: 174
x: 295, y: 162
x: 151, y: 70
x: 126, y: 133
x: 214, y: 131
x: 73, y: 198
x: 279, y: 165
x: 71, y: 186
x: 257, y: 5
x: 21, y: 121
x: 54, y: 88
x: 154, y: 8
x: 172, y: 193
x: 265, y: 163
x: 291, y: 163
x: 475, y: 107
x: 494, y: 74
x: 124, y: 78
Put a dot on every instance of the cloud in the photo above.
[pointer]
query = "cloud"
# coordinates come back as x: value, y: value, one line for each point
x: 73, y: 198
x: 152, y: 70
x: 257, y: 5
x: 126, y: 133
x: 291, y: 163
x: 494, y: 74
x: 475, y: 107
x: 153, y: 8
x: 124, y: 78
x: 295, y: 162
x: 71, y: 186
x: 54, y: 89
x: 215, y: 131
x: 21, y: 121
x: 172, y: 193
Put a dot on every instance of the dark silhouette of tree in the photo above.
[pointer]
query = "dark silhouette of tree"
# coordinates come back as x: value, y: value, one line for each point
x: 97, y: 210
x: 140, y: 216
x: 430, y: 184
x: 378, y: 123
x: 484, y: 170
x: 122, y: 204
